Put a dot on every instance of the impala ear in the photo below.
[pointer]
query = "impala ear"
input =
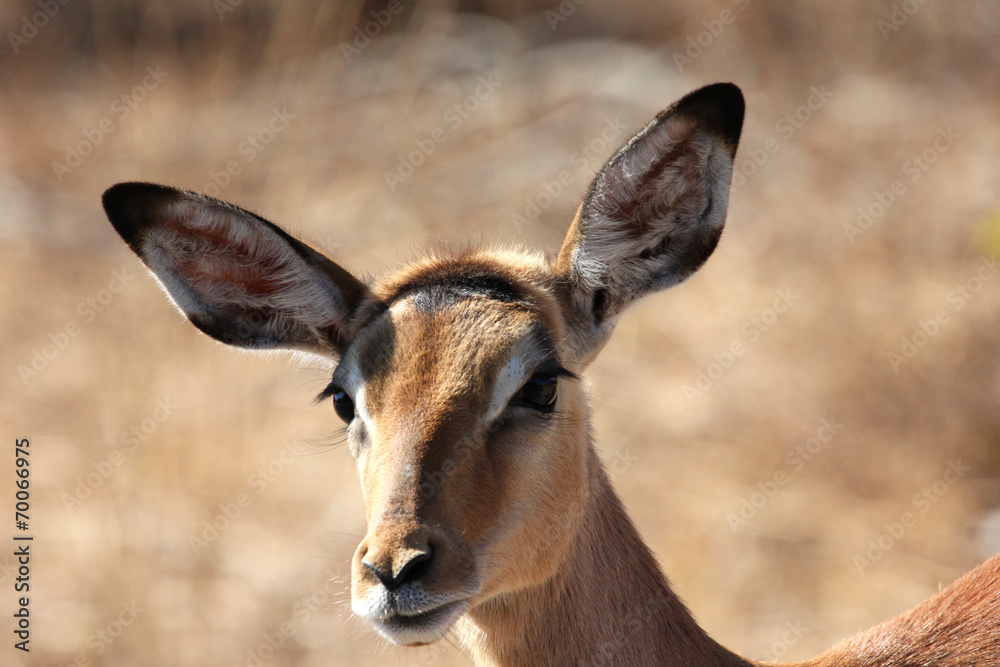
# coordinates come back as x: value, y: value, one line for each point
x: 237, y: 277
x: 655, y: 212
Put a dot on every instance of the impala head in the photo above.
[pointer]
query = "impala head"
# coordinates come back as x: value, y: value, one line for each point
x: 457, y: 375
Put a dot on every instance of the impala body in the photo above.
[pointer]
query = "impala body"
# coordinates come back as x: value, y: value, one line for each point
x: 489, y: 511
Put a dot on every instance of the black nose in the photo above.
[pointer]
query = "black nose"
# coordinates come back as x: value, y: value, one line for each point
x: 411, y: 570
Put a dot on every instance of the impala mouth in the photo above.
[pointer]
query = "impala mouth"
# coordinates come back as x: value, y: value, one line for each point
x: 419, y: 627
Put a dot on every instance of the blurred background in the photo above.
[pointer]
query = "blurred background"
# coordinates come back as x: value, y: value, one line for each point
x: 807, y: 432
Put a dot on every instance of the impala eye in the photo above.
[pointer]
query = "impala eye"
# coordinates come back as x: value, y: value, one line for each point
x: 343, y: 404
x: 538, y: 393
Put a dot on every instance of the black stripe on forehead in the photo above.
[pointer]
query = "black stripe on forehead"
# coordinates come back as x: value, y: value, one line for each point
x: 446, y: 287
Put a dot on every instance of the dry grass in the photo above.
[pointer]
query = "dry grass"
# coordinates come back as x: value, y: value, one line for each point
x: 683, y: 466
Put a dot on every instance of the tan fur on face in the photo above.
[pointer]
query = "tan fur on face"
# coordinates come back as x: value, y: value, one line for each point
x: 482, y: 510
x: 433, y: 466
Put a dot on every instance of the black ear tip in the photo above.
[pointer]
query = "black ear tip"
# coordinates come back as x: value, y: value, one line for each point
x: 719, y: 108
x: 131, y: 193
x: 131, y: 207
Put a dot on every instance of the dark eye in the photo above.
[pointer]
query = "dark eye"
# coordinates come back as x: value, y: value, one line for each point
x: 343, y: 404
x: 539, y: 393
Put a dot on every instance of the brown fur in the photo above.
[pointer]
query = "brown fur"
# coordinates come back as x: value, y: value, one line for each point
x: 485, y: 511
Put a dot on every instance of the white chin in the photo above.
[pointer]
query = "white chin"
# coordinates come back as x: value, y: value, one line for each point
x: 424, y: 628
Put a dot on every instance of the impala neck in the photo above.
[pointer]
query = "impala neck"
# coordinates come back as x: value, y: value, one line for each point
x: 609, y: 604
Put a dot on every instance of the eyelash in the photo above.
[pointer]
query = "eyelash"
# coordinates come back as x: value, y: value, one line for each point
x: 532, y: 393
x: 541, y: 391
x: 327, y: 392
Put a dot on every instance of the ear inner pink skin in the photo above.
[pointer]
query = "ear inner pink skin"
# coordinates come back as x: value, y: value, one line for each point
x: 489, y: 510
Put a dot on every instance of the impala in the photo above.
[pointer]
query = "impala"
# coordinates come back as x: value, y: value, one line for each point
x: 489, y: 511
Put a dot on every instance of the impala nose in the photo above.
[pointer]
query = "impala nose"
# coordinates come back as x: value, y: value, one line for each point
x: 402, y: 566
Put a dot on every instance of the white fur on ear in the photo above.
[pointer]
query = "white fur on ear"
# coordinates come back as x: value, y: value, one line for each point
x: 655, y: 212
x: 236, y: 276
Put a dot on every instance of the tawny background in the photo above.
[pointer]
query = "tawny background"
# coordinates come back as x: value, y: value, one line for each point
x: 547, y: 89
